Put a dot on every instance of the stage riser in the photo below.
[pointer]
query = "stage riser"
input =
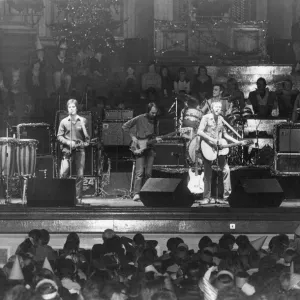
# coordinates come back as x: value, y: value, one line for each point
x: 10, y: 242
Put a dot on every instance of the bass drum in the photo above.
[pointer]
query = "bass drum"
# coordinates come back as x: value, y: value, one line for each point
x: 191, y: 150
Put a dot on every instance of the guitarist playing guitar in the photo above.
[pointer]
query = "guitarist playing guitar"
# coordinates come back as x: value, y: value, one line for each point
x: 73, y: 136
x: 212, y: 130
x: 145, y: 125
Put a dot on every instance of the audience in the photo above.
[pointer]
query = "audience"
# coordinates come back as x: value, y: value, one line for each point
x: 123, y: 268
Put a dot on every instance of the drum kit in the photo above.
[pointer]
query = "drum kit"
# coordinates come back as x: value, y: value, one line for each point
x: 189, y: 122
x: 17, y: 158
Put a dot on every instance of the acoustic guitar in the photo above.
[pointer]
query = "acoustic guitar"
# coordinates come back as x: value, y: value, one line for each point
x: 196, y: 183
x: 212, y: 152
x: 138, y: 147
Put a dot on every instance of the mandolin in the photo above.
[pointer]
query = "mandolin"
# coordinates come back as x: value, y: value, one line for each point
x: 212, y: 152
x: 80, y: 144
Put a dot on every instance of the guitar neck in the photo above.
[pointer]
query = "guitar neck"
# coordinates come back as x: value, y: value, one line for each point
x: 232, y: 145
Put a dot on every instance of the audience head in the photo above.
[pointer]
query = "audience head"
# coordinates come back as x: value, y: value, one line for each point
x: 152, y: 67
x: 232, y: 84
x: 45, y: 237
x: 182, y: 73
x: 218, y: 89
x: 202, y: 70
x: 204, y: 242
x: 261, y: 84
x: 34, y: 236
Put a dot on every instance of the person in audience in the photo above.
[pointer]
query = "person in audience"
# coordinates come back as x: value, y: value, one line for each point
x: 30, y: 243
x: 151, y: 79
x: 286, y: 97
x: 61, y: 69
x: 43, y: 250
x: 295, y: 33
x: 263, y: 100
x: 236, y: 96
x: 217, y: 97
x: 202, y: 87
x: 182, y: 83
x: 99, y: 71
x: 166, y: 82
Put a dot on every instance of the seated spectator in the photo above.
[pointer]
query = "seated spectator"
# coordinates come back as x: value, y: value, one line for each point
x: 263, y: 101
x: 286, y: 96
x: 202, y: 86
x: 151, y: 79
x: 236, y: 96
x: 182, y: 83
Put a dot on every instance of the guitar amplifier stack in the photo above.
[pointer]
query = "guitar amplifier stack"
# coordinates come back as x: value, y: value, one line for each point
x: 112, y: 133
x: 287, y: 148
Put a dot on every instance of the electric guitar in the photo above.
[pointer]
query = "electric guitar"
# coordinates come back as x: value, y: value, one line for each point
x: 196, y: 183
x: 138, y: 147
x: 80, y: 144
x: 211, y: 152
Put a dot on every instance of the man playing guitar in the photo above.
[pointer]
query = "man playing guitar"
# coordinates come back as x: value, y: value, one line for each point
x: 211, y: 130
x: 73, y: 136
x: 146, y: 125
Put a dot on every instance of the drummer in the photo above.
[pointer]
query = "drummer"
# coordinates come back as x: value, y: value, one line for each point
x: 218, y: 90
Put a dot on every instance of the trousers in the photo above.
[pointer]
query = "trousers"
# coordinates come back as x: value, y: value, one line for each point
x: 143, y: 169
x: 79, y: 157
x: 223, y: 165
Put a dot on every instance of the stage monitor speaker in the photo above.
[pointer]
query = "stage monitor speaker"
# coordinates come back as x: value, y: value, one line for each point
x: 289, y: 139
x: 166, y: 192
x: 256, y: 193
x: 51, y: 192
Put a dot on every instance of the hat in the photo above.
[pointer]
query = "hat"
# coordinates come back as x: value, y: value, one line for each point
x: 183, y: 245
x: 258, y: 243
x: 16, y: 271
x: 241, y: 278
x: 225, y: 272
x: 46, y: 265
x: 297, y: 231
x: 47, y: 288
x: 38, y: 45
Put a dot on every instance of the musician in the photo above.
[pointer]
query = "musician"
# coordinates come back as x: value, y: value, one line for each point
x: 218, y: 90
x: 212, y: 129
x: 235, y: 95
x: 72, y: 130
x: 146, y: 125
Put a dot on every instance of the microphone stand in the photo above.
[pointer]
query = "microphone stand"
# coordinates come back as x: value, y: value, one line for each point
x: 7, y: 195
x: 70, y: 157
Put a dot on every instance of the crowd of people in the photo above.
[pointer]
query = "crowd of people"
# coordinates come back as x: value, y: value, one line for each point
x: 123, y: 268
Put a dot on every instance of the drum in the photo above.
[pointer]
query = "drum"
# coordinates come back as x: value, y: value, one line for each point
x: 191, y: 149
x: 7, y: 156
x: 191, y: 118
x: 26, y: 156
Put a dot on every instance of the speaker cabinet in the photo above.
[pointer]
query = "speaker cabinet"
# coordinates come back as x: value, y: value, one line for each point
x: 256, y: 193
x: 166, y: 192
x: 113, y: 134
x: 51, y: 192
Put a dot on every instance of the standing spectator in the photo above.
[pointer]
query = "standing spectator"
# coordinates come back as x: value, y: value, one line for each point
x: 202, y: 86
x: 151, y: 79
x: 236, y: 96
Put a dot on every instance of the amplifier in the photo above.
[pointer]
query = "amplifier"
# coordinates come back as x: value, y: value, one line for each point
x: 119, y: 114
x: 263, y: 127
x: 287, y: 163
x: 113, y: 134
x: 41, y: 132
x: 288, y: 138
x: 170, y: 153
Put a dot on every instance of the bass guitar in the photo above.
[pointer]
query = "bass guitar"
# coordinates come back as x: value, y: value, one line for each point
x: 196, y: 183
x: 80, y: 144
x: 212, y: 152
x: 138, y: 147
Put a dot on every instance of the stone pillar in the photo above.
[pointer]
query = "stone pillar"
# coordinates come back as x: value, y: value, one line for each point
x: 130, y: 18
x: 261, y: 10
x: 163, y: 10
